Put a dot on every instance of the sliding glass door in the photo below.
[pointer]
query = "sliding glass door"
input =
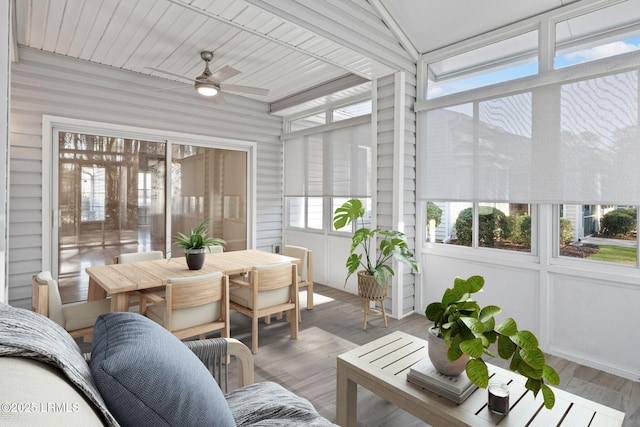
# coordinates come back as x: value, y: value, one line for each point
x: 210, y: 183
x: 112, y: 198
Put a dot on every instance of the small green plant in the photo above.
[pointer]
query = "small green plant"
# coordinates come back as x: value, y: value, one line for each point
x: 197, y: 239
x: 393, y: 244
x: 469, y: 329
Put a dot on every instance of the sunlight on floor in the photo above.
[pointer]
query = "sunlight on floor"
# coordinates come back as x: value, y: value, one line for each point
x: 317, y: 298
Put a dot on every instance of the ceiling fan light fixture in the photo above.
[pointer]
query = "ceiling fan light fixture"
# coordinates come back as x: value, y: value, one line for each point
x: 206, y: 89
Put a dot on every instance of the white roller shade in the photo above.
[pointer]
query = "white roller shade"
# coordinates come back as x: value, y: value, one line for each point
x: 336, y: 163
x: 350, y: 165
x: 576, y: 142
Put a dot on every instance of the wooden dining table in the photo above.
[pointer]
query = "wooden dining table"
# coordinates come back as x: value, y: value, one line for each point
x: 120, y: 280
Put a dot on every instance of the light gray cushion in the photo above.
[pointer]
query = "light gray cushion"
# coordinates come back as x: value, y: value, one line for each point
x: 84, y: 314
x: 150, y: 378
x: 190, y: 316
x: 244, y: 296
x: 186, y: 317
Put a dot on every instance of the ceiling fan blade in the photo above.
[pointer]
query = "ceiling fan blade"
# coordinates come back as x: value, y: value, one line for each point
x: 245, y: 89
x: 170, y: 73
x: 218, y: 99
x: 223, y: 73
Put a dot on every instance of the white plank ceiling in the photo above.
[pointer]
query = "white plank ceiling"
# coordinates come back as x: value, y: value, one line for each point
x: 285, y: 46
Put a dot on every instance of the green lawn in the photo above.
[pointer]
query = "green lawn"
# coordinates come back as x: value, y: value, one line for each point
x: 617, y: 254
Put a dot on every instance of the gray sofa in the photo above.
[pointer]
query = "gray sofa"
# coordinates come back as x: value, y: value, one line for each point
x: 138, y: 374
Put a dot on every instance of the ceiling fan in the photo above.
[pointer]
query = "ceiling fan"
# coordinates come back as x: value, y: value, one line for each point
x: 210, y: 84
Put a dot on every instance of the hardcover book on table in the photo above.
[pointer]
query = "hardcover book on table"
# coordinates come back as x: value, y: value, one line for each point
x: 425, y: 375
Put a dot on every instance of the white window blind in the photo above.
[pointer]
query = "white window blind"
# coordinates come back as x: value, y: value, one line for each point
x: 570, y: 142
x: 333, y: 163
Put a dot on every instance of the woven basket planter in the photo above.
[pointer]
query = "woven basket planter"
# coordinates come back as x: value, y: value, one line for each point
x: 370, y: 290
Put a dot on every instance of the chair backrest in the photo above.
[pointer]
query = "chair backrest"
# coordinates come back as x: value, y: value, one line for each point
x: 197, y: 300
x: 216, y: 249
x: 54, y: 302
x: 303, y: 255
x: 193, y: 291
x: 273, y: 276
x: 138, y: 256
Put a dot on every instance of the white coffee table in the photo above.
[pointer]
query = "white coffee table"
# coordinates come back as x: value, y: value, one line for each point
x: 382, y: 365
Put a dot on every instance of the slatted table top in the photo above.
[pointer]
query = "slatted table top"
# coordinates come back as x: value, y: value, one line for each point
x: 119, y: 280
x: 382, y: 366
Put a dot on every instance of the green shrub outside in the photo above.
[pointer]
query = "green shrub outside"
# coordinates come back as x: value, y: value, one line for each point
x: 434, y: 212
x: 493, y: 226
x: 519, y: 229
x: 566, y: 231
x: 620, y: 221
x: 464, y: 230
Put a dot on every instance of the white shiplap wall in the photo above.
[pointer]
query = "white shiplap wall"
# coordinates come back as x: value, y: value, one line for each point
x: 386, y: 101
x: 5, y: 40
x: 49, y: 84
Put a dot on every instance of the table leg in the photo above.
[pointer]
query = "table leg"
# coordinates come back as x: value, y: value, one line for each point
x: 120, y: 302
x: 346, y: 398
x: 95, y: 291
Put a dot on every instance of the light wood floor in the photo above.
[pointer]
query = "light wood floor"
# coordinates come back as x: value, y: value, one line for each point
x: 307, y: 366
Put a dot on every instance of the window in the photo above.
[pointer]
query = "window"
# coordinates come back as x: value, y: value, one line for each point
x: 305, y: 212
x: 603, y: 233
x: 336, y: 202
x: 352, y: 110
x: 563, y: 138
x: 308, y: 121
x: 600, y: 34
x: 506, y: 60
x: 322, y: 167
x: 504, y: 226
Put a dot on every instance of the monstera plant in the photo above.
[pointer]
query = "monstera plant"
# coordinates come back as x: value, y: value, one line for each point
x: 390, y: 244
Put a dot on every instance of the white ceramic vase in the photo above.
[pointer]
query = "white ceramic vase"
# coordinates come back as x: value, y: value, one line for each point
x: 438, y: 355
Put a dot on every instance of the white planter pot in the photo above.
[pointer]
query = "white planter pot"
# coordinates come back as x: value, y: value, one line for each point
x: 438, y: 355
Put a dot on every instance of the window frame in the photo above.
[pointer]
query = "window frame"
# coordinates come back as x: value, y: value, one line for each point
x: 545, y: 222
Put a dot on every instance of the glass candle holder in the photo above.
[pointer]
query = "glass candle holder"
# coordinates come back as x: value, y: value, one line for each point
x: 498, y: 397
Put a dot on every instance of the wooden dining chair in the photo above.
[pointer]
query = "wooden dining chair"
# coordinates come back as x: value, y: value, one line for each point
x: 125, y: 258
x: 191, y: 306
x: 305, y: 270
x: 305, y: 275
x: 270, y: 289
x: 76, y: 318
x: 138, y: 256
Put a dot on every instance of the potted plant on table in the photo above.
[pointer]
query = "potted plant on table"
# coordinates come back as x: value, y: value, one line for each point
x: 372, y: 265
x: 468, y: 331
x: 196, y: 244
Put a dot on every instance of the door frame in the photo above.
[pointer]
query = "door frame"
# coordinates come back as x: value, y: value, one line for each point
x: 51, y: 125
